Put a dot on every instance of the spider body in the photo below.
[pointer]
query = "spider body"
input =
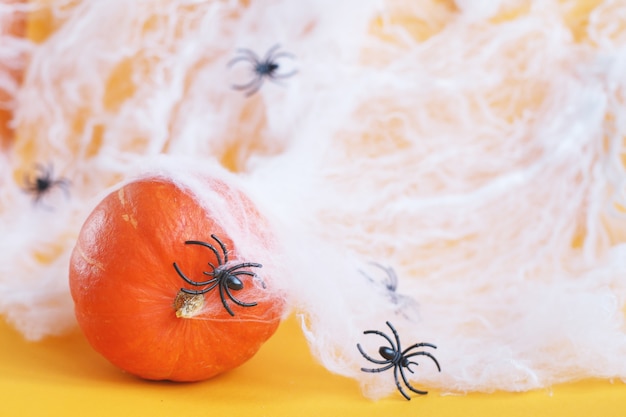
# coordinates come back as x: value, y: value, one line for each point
x: 388, y: 353
x: 223, y: 276
x: 266, y: 68
x: 43, y: 182
x: 262, y: 68
x: 398, y: 359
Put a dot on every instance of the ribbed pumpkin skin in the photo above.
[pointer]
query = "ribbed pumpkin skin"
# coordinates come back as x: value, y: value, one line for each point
x: 124, y: 285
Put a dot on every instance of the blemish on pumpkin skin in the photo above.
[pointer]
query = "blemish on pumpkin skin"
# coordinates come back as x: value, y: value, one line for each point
x: 121, y: 197
x: 131, y: 219
x: 89, y: 260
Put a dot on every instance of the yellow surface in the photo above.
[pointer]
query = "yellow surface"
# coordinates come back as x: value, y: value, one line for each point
x: 65, y: 377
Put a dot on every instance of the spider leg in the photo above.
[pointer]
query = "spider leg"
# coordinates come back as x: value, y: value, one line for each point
x: 224, y: 303
x: 417, y: 345
x: 423, y: 354
x: 370, y: 279
x: 38, y: 201
x: 282, y: 55
x: 408, y: 364
x: 392, y: 278
x: 369, y: 358
x: 197, y: 292
x: 395, y: 376
x: 211, y: 284
x: 277, y: 77
x: 212, y: 273
x: 223, y: 247
x: 206, y: 245
x: 253, y: 275
x: 45, y: 171
x: 274, y: 58
x: 235, y: 300
x: 269, y: 55
x: 383, y: 335
x: 192, y: 282
x: 395, y: 333
x: 244, y: 265
x: 250, y: 54
x: 239, y: 59
x: 248, y: 273
x: 408, y: 385
x: 377, y: 370
x: 64, y: 185
x: 63, y: 182
x: 253, y: 86
x: 407, y: 306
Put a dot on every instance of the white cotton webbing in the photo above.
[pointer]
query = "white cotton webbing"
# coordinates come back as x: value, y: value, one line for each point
x: 482, y: 163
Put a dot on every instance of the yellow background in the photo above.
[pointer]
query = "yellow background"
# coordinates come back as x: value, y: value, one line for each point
x: 65, y: 377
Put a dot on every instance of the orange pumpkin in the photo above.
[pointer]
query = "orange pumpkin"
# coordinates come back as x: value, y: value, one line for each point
x: 128, y: 276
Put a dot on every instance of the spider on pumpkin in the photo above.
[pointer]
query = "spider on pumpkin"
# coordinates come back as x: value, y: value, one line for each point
x: 398, y: 359
x: 43, y: 182
x: 222, y: 276
x: 262, y: 68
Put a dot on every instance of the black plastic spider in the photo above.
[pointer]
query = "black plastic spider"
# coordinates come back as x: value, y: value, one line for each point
x: 261, y: 68
x: 223, y: 276
x: 43, y: 182
x: 390, y: 286
x: 398, y: 359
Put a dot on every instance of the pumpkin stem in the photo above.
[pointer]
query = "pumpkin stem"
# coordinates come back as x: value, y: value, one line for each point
x: 188, y: 305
